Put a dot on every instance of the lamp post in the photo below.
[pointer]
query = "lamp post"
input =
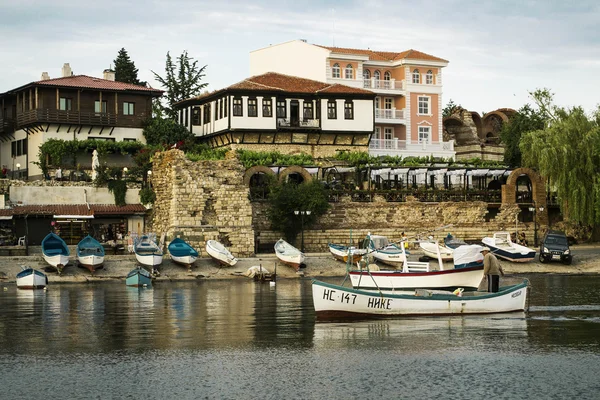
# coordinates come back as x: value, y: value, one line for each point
x: 149, y: 176
x: 302, y: 214
x: 534, y: 209
x: 18, y: 169
x: 125, y: 172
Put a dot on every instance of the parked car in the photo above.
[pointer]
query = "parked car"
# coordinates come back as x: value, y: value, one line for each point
x: 555, y: 246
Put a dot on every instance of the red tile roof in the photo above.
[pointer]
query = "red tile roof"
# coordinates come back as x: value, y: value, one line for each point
x: 89, y: 82
x: 385, y: 55
x: 74, y: 209
x: 272, y: 81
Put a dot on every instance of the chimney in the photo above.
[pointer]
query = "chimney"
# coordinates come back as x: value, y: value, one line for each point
x: 66, y: 70
x: 45, y: 76
x: 109, y: 74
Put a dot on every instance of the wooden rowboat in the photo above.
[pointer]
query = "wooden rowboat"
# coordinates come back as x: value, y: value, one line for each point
x: 288, y: 254
x: 90, y: 253
x: 220, y: 253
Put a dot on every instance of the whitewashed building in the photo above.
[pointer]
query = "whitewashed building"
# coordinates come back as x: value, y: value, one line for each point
x: 407, y: 85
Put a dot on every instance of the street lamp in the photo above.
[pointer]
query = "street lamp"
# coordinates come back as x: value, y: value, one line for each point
x: 149, y: 176
x: 534, y: 210
x: 302, y: 214
x: 124, y: 171
x: 18, y: 169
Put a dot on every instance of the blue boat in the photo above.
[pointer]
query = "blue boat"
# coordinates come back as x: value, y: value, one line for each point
x: 55, y: 251
x: 182, y: 253
x: 138, y: 277
x: 90, y: 253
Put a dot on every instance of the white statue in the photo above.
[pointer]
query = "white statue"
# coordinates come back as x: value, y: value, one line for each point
x: 95, y: 164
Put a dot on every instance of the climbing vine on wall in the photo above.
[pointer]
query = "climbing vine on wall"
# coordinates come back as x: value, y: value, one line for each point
x: 118, y: 188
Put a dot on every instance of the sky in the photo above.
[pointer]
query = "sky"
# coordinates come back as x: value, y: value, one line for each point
x: 498, y: 51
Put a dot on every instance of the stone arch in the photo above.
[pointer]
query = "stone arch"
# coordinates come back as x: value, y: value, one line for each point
x: 477, y: 121
x: 492, y: 123
x: 295, y: 169
x: 538, y: 191
x: 256, y: 170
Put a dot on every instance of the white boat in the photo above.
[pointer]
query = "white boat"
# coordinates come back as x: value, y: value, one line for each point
x: 182, y: 253
x: 220, y: 253
x: 502, y: 246
x: 417, y: 275
x: 468, y: 255
x: 147, y: 252
x: 55, y: 251
x: 334, y: 302
x: 288, y: 254
x: 430, y: 250
x: 342, y: 253
x: 30, y: 278
x: 90, y: 253
x: 382, y: 250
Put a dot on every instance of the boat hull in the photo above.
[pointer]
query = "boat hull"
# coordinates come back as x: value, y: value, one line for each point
x: 57, y: 260
x: 429, y: 249
x: 333, y: 301
x: 138, y: 278
x: 219, y: 253
x: 184, y: 260
x: 509, y: 253
x: 149, y: 260
x: 392, y: 258
x: 91, y: 262
x: 31, y: 279
x: 293, y: 261
x: 466, y: 278
x: 342, y: 253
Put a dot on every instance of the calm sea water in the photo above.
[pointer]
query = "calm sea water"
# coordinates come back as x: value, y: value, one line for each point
x: 246, y: 340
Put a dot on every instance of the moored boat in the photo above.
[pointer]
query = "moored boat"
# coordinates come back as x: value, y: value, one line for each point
x: 220, y: 253
x: 138, y: 277
x: 90, y: 253
x: 452, y: 242
x: 343, y: 253
x: 147, y: 251
x: 55, y: 251
x: 288, y: 254
x: 333, y: 301
x: 182, y: 253
x: 468, y: 255
x: 430, y: 250
x: 30, y: 278
x: 502, y: 246
x: 383, y: 250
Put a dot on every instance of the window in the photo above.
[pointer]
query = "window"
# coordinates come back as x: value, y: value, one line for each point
x: 65, y: 104
x: 387, y: 76
x: 128, y: 108
x: 349, y: 109
x: 185, y: 118
x: 424, y: 134
x: 416, y: 77
x: 252, y: 107
x: 106, y: 139
x: 196, y: 116
x: 388, y: 136
x: 429, y: 77
x: 281, y: 111
x: 377, y: 102
x: 348, y: 72
x: 335, y: 71
x: 377, y: 133
x: 19, y: 148
x: 237, y: 107
x: 366, y: 74
x: 206, y: 113
x: 331, y: 109
x: 377, y: 76
x: 308, y: 110
x: 129, y: 140
x: 423, y: 105
x: 388, y: 104
x: 225, y: 107
x: 267, y: 107
x: 100, y: 107
x: 216, y: 110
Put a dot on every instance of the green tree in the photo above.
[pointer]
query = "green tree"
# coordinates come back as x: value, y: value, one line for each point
x: 182, y: 80
x: 449, y: 109
x: 525, y: 120
x: 125, y: 70
x: 567, y: 151
x: 165, y: 131
x: 285, y: 198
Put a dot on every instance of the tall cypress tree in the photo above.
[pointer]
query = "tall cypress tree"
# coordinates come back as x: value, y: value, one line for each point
x: 125, y: 70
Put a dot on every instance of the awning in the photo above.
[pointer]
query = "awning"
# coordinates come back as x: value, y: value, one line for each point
x: 439, y: 171
x: 5, y: 217
x: 380, y: 172
x: 312, y: 170
x: 478, y: 172
x: 496, y: 172
x: 343, y: 170
x: 456, y: 172
x: 73, y: 216
x: 400, y: 171
x: 416, y: 172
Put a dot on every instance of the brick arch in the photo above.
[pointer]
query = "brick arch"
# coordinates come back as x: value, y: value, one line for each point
x: 255, y: 170
x: 295, y: 169
x: 477, y: 121
x: 487, y: 125
x: 538, y: 191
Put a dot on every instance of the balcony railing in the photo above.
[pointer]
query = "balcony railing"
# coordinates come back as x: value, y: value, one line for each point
x: 390, y: 84
x: 6, y: 125
x: 395, y: 147
x: 306, y: 123
x: 420, y: 194
x: 391, y: 114
x: 46, y: 115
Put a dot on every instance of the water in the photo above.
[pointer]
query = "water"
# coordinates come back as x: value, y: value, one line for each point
x: 244, y: 340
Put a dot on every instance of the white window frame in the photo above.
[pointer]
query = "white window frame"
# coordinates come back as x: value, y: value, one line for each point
x: 388, y: 137
x: 377, y: 103
x: 128, y: 108
x: 416, y: 77
x: 349, y: 72
x: 377, y: 132
x: 423, y: 105
x: 366, y: 74
x: 424, y: 134
x: 336, y: 71
x: 429, y: 77
x: 387, y: 76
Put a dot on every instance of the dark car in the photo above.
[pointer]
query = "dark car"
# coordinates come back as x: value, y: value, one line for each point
x: 555, y: 246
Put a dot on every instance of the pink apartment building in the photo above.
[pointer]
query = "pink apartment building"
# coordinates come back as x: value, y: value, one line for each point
x: 408, y: 85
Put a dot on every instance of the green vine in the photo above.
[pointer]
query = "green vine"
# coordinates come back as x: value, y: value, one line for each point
x: 118, y: 188
x: 147, y: 196
x: 253, y: 158
x: 363, y: 159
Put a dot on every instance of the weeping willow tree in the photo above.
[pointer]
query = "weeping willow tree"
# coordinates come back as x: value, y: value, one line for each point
x: 567, y: 151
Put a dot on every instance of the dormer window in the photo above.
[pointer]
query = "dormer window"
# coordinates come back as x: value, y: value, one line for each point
x: 336, y: 71
x: 429, y: 77
x: 348, y: 72
x: 416, y: 78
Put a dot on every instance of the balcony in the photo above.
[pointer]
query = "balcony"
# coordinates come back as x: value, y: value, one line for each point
x: 287, y: 123
x: 384, y: 85
x: 46, y: 115
x: 396, y: 147
x: 387, y: 116
x: 6, y: 125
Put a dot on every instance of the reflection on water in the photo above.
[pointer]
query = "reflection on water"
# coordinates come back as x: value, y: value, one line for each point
x: 212, y: 339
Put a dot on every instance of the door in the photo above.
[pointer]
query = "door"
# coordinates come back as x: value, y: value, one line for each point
x: 294, y: 113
